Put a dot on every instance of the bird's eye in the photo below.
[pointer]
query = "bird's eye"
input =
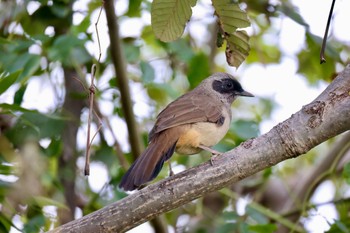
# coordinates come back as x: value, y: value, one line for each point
x: 229, y: 85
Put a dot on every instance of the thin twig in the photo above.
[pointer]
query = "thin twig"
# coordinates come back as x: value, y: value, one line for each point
x: 91, y: 101
x: 97, y: 34
x: 324, y: 42
x: 91, y: 106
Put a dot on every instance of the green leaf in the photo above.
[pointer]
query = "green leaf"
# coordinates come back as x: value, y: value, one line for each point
x: 131, y: 52
x: 245, y: 129
x: 134, y: 8
x: 256, y: 215
x: 7, y: 81
x: 161, y: 92
x: 69, y: 50
x: 265, y: 228
x: 230, y: 15
x: 15, y: 107
x: 346, y: 173
x: 237, y: 48
x: 182, y: 49
x: 169, y: 18
x: 339, y: 226
x: 44, y: 201
x: 196, y: 75
x: 292, y: 12
x: 18, y: 98
x: 309, y: 61
x: 147, y: 72
x: 6, y: 169
x: 31, y: 66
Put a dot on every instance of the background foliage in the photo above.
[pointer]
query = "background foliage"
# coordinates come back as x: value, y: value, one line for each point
x: 48, y: 46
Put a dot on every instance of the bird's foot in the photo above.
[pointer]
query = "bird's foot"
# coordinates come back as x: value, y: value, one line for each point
x: 214, y: 153
x: 171, y: 173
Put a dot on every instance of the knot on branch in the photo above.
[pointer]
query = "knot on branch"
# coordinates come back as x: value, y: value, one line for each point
x: 316, y: 110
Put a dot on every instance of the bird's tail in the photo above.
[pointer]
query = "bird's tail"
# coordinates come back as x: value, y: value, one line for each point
x: 148, y: 165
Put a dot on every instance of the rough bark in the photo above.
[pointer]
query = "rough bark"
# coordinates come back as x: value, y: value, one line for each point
x: 325, y: 117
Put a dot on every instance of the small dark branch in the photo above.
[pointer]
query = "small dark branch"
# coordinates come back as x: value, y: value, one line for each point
x: 324, y: 42
x: 91, y: 112
x: 122, y: 79
x: 91, y: 101
x: 97, y: 34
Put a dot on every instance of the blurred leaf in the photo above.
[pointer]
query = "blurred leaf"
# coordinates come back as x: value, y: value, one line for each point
x: 169, y: 18
x: 6, y: 169
x: 182, y: 49
x: 54, y: 149
x: 134, y: 8
x: 7, y: 81
x: 61, y: 10
x: 245, y: 129
x: 339, y: 226
x: 82, y: 27
x: 226, y: 228
x: 69, y: 50
x: 309, y: 61
x: 5, y: 223
x: 42, y: 201
x: 195, y: 74
x: 161, y: 92
x: 105, y: 154
x: 147, y: 72
x: 18, y: 98
x: 15, y: 107
x: 263, y: 228
x: 256, y: 215
x: 30, y: 67
x: 263, y: 52
x: 346, y: 173
x: 132, y: 52
x: 35, y: 223
x: 230, y: 15
x: 237, y: 48
x: 292, y: 12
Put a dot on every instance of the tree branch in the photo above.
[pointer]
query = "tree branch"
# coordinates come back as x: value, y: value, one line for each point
x: 122, y: 79
x: 328, y: 115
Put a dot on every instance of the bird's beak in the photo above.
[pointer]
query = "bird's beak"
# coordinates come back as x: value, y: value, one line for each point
x: 245, y: 93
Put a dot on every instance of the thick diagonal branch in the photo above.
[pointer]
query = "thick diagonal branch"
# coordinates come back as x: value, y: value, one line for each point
x: 325, y: 117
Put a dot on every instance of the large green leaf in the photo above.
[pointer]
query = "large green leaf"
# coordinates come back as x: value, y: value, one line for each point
x: 237, y: 48
x: 169, y: 18
x: 230, y: 15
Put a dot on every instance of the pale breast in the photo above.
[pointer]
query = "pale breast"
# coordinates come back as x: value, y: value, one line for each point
x: 202, y: 133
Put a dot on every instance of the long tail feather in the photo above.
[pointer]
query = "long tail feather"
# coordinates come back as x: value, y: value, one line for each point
x: 151, y: 161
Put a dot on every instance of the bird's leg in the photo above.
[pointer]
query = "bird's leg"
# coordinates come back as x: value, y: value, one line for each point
x: 171, y: 173
x: 212, y: 151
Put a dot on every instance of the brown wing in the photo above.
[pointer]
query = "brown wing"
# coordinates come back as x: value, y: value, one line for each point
x: 189, y: 108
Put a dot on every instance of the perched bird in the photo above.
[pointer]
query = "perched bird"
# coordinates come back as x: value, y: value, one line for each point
x: 195, y: 121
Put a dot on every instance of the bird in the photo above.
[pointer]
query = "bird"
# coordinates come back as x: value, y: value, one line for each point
x: 193, y: 122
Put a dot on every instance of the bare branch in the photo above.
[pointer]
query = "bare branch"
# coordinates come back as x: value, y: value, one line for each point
x: 122, y: 79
